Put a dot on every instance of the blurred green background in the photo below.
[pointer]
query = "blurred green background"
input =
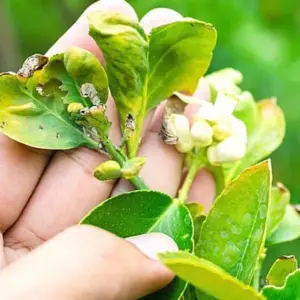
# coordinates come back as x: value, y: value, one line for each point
x: 258, y: 37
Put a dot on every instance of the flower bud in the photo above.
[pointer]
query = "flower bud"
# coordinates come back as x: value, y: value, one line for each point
x: 227, y: 151
x: 186, y: 145
x: 226, y: 103
x: 179, y: 126
x: 206, y: 112
x: 201, y: 133
x: 133, y: 167
x: 75, y: 107
x: 222, y: 129
x: 108, y: 170
x: 238, y: 129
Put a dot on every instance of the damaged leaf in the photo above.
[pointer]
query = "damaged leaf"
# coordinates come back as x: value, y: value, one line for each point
x: 34, y: 120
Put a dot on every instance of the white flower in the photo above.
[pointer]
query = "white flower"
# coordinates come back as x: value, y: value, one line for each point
x: 186, y: 145
x: 202, y: 133
x: 225, y: 104
x: 227, y: 151
x: 207, y: 112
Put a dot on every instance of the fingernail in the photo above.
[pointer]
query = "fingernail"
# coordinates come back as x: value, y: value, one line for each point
x: 158, y: 17
x: 151, y: 244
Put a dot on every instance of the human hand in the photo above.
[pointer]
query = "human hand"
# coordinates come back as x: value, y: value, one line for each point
x: 52, y: 191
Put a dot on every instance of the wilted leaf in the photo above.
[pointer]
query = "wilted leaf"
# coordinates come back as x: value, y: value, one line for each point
x: 140, y: 212
x: 180, y: 54
x: 280, y: 198
x: 34, y: 120
x: 208, y: 277
x: 282, y: 267
x: 125, y: 48
x: 234, y: 230
x: 290, y: 290
x: 289, y: 228
x: 266, y: 138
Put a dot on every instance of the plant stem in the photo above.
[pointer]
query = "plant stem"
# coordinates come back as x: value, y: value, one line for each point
x: 198, y: 162
x: 137, y: 181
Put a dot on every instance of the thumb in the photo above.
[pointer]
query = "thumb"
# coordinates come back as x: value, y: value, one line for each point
x: 85, y: 262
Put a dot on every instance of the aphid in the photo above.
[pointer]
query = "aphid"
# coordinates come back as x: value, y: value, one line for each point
x: 88, y: 90
x: 32, y: 64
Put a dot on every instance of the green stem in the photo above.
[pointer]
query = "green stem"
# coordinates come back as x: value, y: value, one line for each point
x: 256, y: 277
x: 116, y: 154
x: 198, y: 162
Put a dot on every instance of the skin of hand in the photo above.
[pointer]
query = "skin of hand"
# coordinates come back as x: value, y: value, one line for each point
x: 40, y: 248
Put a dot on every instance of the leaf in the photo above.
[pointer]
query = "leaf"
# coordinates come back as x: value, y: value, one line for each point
x: 125, y: 48
x: 189, y: 293
x: 40, y: 122
x: 280, y: 198
x: 289, y: 228
x: 290, y: 290
x: 75, y: 68
x: 144, y: 211
x: 208, y: 277
x: 282, y: 267
x: 197, y: 214
x: 266, y: 138
x: 234, y: 230
x: 143, y: 73
x: 180, y: 54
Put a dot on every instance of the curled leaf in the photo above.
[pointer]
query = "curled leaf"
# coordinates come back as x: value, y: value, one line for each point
x: 281, y: 268
x: 290, y: 290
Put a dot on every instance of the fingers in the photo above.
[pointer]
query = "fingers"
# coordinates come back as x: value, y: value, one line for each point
x: 86, y: 263
x: 78, y: 35
x: 68, y: 189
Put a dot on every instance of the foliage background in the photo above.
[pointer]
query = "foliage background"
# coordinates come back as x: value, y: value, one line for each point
x: 258, y: 37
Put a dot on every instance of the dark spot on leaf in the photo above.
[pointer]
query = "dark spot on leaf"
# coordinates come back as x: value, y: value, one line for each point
x: 41, y: 127
x: 58, y: 135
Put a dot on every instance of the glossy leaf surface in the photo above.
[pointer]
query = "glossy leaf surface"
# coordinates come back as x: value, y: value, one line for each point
x: 180, y: 54
x: 234, y: 230
x: 140, y: 212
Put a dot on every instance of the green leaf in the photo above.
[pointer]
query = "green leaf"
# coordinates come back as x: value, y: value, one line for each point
x: 290, y: 290
x: 282, y: 267
x: 144, y: 211
x: 289, y: 228
x: 197, y: 213
x: 125, y: 48
x: 280, y: 198
x: 180, y: 54
x: 234, y: 230
x: 73, y: 69
x: 189, y: 293
x: 40, y: 122
x: 208, y: 277
x: 266, y: 138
